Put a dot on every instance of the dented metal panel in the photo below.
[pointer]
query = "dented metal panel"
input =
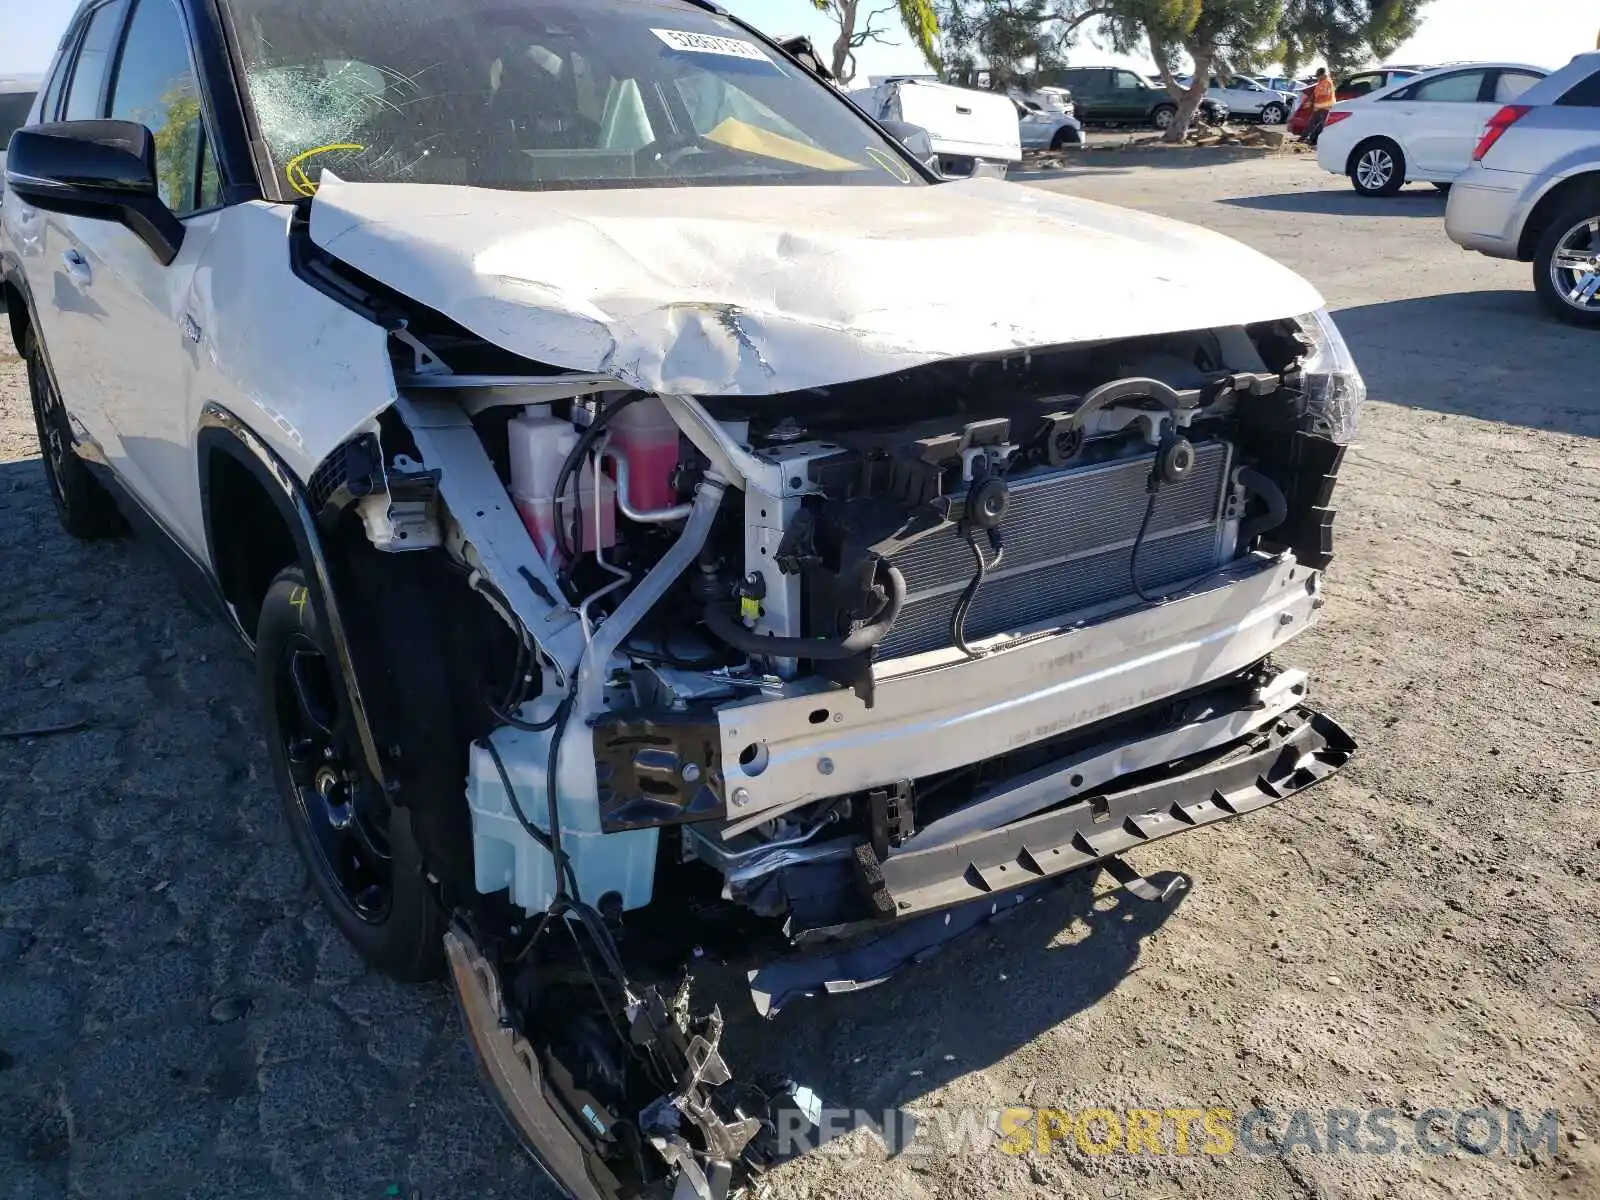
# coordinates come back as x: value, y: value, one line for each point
x: 760, y: 290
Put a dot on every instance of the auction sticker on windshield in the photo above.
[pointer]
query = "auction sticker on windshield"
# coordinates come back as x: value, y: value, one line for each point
x: 710, y: 43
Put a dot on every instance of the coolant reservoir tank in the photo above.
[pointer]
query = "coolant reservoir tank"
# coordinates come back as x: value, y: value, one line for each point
x: 645, y: 434
x: 539, y: 443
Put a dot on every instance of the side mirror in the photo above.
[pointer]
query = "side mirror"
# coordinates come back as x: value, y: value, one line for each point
x: 105, y: 170
x: 915, y: 139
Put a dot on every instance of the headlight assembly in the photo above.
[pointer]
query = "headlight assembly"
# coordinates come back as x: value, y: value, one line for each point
x: 1333, y: 385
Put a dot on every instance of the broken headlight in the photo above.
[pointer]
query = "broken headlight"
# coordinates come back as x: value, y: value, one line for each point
x: 1334, y: 389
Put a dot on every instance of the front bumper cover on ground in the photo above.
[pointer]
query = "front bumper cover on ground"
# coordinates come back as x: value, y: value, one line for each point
x: 922, y: 899
x: 1302, y: 748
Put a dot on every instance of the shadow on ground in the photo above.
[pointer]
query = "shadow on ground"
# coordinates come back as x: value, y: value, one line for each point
x: 1493, y: 355
x: 1413, y: 202
x: 179, y: 1016
x: 874, y: 1050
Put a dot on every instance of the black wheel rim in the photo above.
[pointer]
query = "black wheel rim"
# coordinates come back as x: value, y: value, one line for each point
x: 343, y: 813
x: 50, y: 415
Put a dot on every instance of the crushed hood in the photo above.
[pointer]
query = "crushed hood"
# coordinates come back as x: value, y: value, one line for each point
x: 756, y: 290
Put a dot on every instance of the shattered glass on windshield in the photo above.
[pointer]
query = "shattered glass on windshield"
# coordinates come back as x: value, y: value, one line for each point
x: 618, y: 93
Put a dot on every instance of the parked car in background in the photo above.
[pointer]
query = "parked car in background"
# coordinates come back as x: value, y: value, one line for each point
x: 1281, y: 83
x: 1244, y: 97
x: 16, y: 101
x: 1532, y: 191
x: 973, y: 133
x: 1424, y: 128
x: 1116, y: 96
x: 1045, y: 99
x: 1041, y: 128
x: 1351, y: 87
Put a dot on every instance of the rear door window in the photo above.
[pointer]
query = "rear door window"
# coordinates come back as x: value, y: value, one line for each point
x: 1462, y: 87
x: 51, y: 103
x: 86, y: 94
x: 1512, y: 84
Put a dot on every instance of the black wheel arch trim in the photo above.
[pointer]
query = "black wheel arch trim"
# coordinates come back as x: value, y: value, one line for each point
x: 222, y: 432
x: 12, y: 278
x: 1548, y: 205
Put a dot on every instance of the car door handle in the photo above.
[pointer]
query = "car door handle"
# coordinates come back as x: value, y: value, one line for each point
x: 77, y: 266
x: 965, y: 112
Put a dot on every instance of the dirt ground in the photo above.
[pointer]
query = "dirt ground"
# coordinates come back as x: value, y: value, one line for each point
x: 177, y: 1018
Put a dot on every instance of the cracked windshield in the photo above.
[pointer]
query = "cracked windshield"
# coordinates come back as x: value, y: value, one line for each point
x: 535, y: 95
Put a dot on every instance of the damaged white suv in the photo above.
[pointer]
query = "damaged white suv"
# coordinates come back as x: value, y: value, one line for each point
x: 654, y: 525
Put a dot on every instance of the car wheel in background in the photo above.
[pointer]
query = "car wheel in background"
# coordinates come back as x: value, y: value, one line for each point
x: 1273, y: 114
x: 364, y: 864
x: 1163, y: 114
x: 1378, y: 168
x: 1566, y: 263
x: 86, y: 509
x: 1065, y: 138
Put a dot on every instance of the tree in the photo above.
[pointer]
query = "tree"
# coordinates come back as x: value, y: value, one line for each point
x: 1229, y: 35
x: 1013, y: 37
x: 857, y: 27
x: 1345, y: 33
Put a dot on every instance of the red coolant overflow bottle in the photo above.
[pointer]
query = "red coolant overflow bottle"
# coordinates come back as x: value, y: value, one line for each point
x: 646, y: 437
x: 539, y: 444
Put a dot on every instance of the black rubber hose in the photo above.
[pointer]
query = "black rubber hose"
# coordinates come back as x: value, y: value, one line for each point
x: 1138, y: 541
x: 1254, y: 481
x: 958, y: 618
x: 570, y: 465
x: 721, y: 618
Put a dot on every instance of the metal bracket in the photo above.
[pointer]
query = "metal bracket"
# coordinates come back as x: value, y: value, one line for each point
x: 423, y: 360
x: 893, y: 816
x: 482, y: 508
x: 1136, y: 883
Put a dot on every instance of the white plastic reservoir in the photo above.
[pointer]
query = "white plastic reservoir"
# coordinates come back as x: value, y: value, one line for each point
x: 505, y: 856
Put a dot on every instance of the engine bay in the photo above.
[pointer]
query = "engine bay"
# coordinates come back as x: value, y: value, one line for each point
x: 813, y: 664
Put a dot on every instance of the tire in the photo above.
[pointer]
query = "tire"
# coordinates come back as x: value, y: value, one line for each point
x: 1574, y: 231
x: 1063, y: 139
x: 1161, y: 116
x: 85, y: 508
x: 1377, y: 168
x: 1273, y: 114
x: 359, y: 850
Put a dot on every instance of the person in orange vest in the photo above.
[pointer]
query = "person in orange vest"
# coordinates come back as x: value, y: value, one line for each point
x: 1322, y: 99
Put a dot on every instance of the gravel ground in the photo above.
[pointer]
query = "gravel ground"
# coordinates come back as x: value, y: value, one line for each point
x: 177, y: 1018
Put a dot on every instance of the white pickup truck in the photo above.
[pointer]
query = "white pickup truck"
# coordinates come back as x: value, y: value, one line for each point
x: 973, y: 133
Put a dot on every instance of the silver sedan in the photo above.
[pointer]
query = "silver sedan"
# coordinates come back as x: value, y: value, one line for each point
x: 1533, y: 190
x: 1041, y: 129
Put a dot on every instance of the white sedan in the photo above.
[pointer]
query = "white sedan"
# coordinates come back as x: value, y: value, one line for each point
x: 1422, y: 129
x: 1245, y: 97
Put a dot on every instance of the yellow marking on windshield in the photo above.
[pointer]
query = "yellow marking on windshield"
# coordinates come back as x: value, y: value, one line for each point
x: 740, y: 135
x: 295, y: 169
x: 890, y: 164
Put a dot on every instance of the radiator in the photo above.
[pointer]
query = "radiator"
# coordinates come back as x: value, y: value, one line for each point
x: 1069, y: 536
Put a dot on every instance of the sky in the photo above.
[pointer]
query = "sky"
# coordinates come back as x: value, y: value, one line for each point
x: 1543, y: 32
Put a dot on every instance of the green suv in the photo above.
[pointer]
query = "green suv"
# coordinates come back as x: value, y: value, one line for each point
x: 1114, y: 96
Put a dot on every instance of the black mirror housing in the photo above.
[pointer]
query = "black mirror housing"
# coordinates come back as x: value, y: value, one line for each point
x: 105, y: 170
